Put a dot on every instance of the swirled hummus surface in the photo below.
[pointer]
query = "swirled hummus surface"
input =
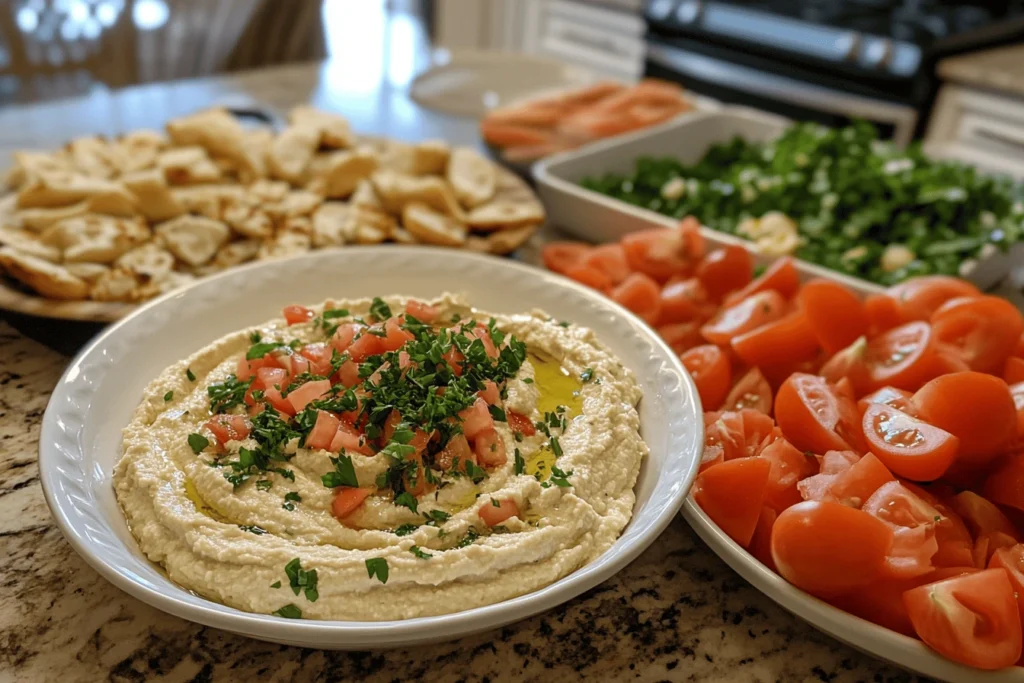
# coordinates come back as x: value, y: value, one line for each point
x: 383, y: 459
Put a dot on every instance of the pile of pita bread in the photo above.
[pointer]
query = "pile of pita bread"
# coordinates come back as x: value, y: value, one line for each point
x: 127, y: 219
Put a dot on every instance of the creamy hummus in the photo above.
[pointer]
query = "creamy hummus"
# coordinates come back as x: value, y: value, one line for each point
x: 267, y: 537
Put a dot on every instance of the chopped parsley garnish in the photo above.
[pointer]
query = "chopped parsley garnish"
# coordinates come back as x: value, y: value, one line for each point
x: 344, y: 473
x: 560, y: 478
x: 415, y: 550
x: 264, y: 484
x: 227, y: 394
x: 289, y: 611
x: 497, y: 413
x: 406, y: 499
x: 405, y: 529
x: 254, y: 337
x: 556, y: 447
x: 271, y: 434
x: 198, y: 443
x: 332, y: 313
x: 190, y: 375
x: 260, y: 349
x: 168, y: 396
x: 587, y: 375
x: 276, y: 584
x: 293, y: 496
x: 475, y: 473
x: 252, y: 529
x: 520, y: 463
x: 379, y: 309
x: 495, y: 503
x: 469, y: 538
x: 527, y: 380
x: 302, y: 580
x: 564, y: 323
x: 378, y: 567
x: 437, y: 516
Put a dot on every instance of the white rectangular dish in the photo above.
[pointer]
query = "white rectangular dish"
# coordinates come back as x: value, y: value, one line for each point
x: 597, y: 218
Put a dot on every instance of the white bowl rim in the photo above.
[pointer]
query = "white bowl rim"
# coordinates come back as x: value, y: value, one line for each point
x: 457, y: 623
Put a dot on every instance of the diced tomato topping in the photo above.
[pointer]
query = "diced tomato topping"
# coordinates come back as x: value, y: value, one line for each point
x: 347, y: 499
x: 454, y: 359
x: 493, y: 515
x: 520, y: 423
x: 455, y: 453
x: 350, y: 441
x: 229, y: 428
x: 490, y: 393
x: 310, y: 391
x: 247, y: 368
x: 366, y: 345
x: 273, y: 396
x: 324, y: 429
x: 319, y: 355
x: 423, y: 312
x: 476, y: 419
x: 489, y: 448
x: 343, y: 336
x: 348, y: 374
x: 395, y: 337
x: 295, y: 314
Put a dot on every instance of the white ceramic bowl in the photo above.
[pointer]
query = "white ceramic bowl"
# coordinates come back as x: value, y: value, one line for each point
x: 858, y: 633
x: 80, y: 439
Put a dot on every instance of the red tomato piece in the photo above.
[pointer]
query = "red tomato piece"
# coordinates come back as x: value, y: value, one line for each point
x: 348, y: 374
x: 229, y: 428
x: 476, y: 419
x: 640, y: 294
x: 324, y: 429
x: 347, y: 499
x: 520, y: 423
x: 310, y: 391
x: 913, y: 524
x: 789, y: 466
x: 1012, y: 560
x: 829, y: 549
x: 711, y: 372
x: 781, y: 276
x: 815, y: 417
x: 422, y: 311
x: 761, y: 542
x: 955, y: 542
x: 348, y: 440
x: 610, y: 259
x: 787, y: 341
x: 272, y: 377
x: 846, y: 478
x: 395, y: 337
x: 835, y: 314
x: 559, y: 257
x: 455, y: 454
x: 682, y: 301
x: 889, y: 396
x: 1005, y: 485
x: 661, y: 253
x: 883, y: 314
x: 976, y: 408
x: 919, y: 297
x: 273, y: 396
x: 591, y: 277
x: 364, y: 346
x: 988, y: 544
x: 747, y: 315
x: 970, y: 619
x: 732, y: 495
x: 493, y: 515
x: 725, y: 270
x: 984, y: 329
x: 1013, y: 370
x: 344, y: 335
x: 681, y: 337
x: 319, y: 357
x: 908, y: 447
x: 751, y: 391
x: 294, y: 314
x: 981, y: 515
x: 489, y: 448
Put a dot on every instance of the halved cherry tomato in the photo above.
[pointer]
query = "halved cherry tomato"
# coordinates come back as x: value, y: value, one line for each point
x: 984, y: 329
x: 640, y: 294
x: 828, y: 549
x: 955, y: 543
x: 682, y: 301
x: 724, y: 270
x: 971, y: 619
x: 975, y: 407
x: 732, y: 495
x: 834, y: 313
x: 883, y: 314
x: 845, y: 478
x: 987, y: 545
x: 919, y: 297
x: 347, y: 499
x: 752, y: 391
x: 711, y: 372
x: 1005, y: 484
x: 1013, y: 370
x: 294, y: 314
x: 903, y: 357
x: 610, y: 259
x: 1012, y: 560
x: 681, y: 337
x: 761, y: 543
x: 815, y: 417
x: 590, y: 276
x: 1017, y: 391
x: 562, y: 256
x: 789, y: 466
x: 733, y: 434
x: 889, y: 396
x: 783, y: 342
x: 913, y: 523
x: 908, y: 447
x: 981, y: 515
x: 780, y: 276
x: 749, y: 314
x: 661, y: 253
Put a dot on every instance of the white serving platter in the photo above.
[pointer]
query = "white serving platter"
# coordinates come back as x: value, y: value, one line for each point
x: 81, y: 432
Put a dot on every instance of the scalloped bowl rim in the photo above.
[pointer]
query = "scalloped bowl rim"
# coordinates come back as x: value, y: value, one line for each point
x: 647, y: 525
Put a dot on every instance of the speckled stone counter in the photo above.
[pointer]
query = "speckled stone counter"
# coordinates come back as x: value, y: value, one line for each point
x: 678, y: 613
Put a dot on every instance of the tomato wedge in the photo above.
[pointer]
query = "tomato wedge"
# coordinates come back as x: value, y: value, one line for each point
x: 725, y: 270
x: 1005, y: 485
x: 913, y: 523
x: 828, y: 549
x: 984, y: 329
x: 761, y: 543
x: 711, y: 372
x: 919, y: 297
x: 788, y: 467
x: 683, y: 301
x: 970, y: 619
x: 845, y: 478
x: 976, y: 408
x: 732, y: 495
x: 815, y: 417
x: 981, y: 515
x: 889, y: 396
x: 956, y: 545
x: 747, y: 315
x: 883, y: 314
x: 661, y: 253
x: 834, y: 313
x: 908, y: 447
x: 1012, y: 560
x: 563, y: 256
x: 781, y: 276
x: 609, y: 259
x: 752, y: 391
x: 640, y: 294
x: 1013, y: 370
x: 787, y: 341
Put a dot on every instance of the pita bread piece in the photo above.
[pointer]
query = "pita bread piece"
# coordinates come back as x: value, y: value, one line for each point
x: 236, y: 253
x: 155, y: 200
x: 291, y: 151
x: 40, y: 219
x: 193, y: 239
x: 95, y: 238
x: 28, y: 243
x: 188, y: 166
x: 220, y: 134
x: 432, y: 227
x: 505, y: 215
x: 138, y: 150
x: 334, y: 129
x: 344, y: 171
x: 474, y: 179
x: 284, y: 245
x: 123, y: 284
x: 395, y: 190
x: 60, y: 189
x: 29, y: 165
x: 48, y: 279
x: 150, y: 260
x: 336, y: 223
x: 503, y: 242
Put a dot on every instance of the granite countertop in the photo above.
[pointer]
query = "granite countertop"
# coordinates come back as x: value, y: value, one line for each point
x: 677, y: 613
